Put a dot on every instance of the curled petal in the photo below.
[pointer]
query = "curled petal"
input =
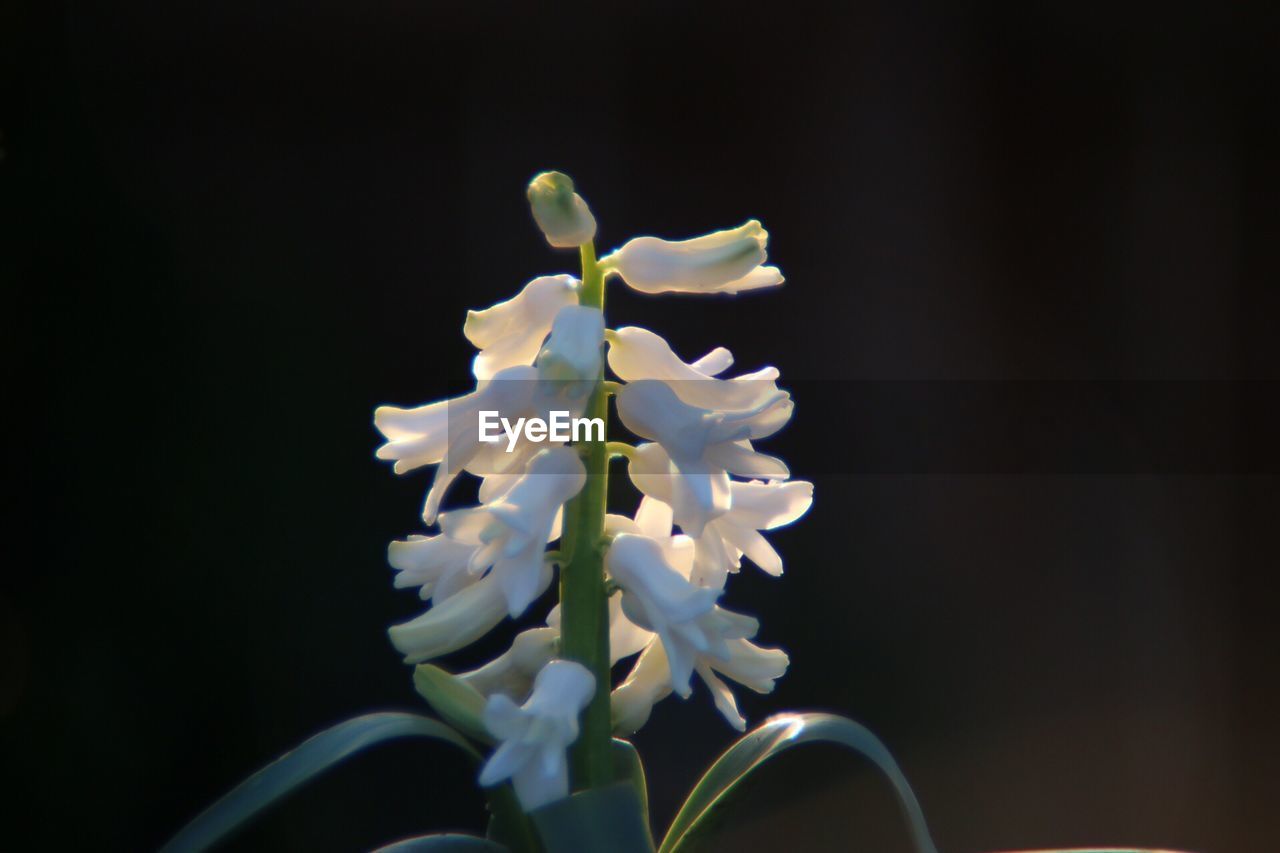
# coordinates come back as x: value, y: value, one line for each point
x: 459, y: 621
x: 721, y: 262
x: 510, y: 333
x: 636, y: 353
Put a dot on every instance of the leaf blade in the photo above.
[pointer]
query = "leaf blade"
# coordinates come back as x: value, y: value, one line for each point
x: 443, y: 843
x: 293, y: 769
x: 777, y: 735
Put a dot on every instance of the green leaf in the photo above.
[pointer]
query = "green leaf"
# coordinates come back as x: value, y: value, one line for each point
x: 458, y: 703
x: 312, y: 757
x: 607, y: 818
x: 627, y: 767
x: 447, y: 843
x: 774, y: 736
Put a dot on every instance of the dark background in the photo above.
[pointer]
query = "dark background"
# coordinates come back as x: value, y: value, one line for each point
x: 234, y: 228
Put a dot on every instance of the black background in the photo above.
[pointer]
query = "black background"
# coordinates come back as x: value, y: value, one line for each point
x: 234, y: 228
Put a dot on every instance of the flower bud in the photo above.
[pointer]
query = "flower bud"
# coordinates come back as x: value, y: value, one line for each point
x: 561, y: 213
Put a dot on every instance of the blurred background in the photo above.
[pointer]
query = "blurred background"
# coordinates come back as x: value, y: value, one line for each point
x: 230, y: 230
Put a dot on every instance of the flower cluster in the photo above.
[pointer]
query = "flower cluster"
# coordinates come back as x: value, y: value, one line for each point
x: 707, y: 495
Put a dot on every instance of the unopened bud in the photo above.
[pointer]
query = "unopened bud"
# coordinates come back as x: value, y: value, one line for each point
x: 561, y: 213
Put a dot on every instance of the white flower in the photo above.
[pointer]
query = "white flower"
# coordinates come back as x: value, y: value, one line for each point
x: 685, y: 617
x: 511, y: 332
x: 512, y: 532
x: 435, y: 564
x: 753, y: 506
x: 535, y: 736
x: 649, y: 682
x: 447, y: 432
x: 570, y: 362
x: 725, y: 539
x: 722, y: 262
x: 703, y: 447
x: 636, y: 353
x: 455, y: 622
x: 512, y: 672
x: 716, y: 643
x: 563, y: 216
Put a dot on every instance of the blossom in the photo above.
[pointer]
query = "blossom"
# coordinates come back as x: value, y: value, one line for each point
x: 686, y: 618
x: 435, y: 564
x: 712, y: 643
x: 636, y: 353
x: 458, y: 621
x: 752, y: 506
x: 511, y: 332
x: 723, y: 262
x: 535, y: 736
x: 702, y: 446
x: 569, y: 364
x: 512, y: 532
x: 648, y: 683
x: 563, y: 216
x: 750, y: 665
x: 447, y: 432
x: 512, y: 672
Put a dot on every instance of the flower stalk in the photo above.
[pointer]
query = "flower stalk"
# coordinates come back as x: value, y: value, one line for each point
x: 583, y: 598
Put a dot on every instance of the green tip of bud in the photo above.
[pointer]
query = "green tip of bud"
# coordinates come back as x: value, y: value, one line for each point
x: 563, y: 216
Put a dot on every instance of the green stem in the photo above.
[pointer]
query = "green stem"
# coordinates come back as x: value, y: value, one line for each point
x: 584, y: 625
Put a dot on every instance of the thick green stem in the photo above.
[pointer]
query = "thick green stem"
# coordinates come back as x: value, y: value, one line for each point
x: 584, y: 605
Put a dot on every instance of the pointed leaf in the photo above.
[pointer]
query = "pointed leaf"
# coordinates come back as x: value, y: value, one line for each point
x: 446, y: 843
x: 607, y: 818
x: 312, y: 757
x: 458, y: 703
x: 627, y: 767
x: 774, y: 736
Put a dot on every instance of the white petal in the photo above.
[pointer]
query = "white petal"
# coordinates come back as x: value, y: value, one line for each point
x: 723, y: 696
x: 715, y: 362
x: 535, y: 787
x: 512, y: 672
x: 507, y: 760
x: 723, y: 261
x: 570, y: 361
x: 511, y: 332
x: 654, y: 518
x: 461, y: 620
x: 765, y: 506
x: 636, y: 353
x: 648, y: 683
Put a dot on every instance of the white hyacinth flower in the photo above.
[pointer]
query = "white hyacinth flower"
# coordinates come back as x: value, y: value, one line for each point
x: 722, y: 262
x: 535, y: 736
x: 561, y: 214
x: 447, y: 433
x: 720, y: 646
x: 510, y: 333
x: 437, y: 565
x: 512, y: 672
x: 636, y: 353
x: 648, y: 683
x: 753, y: 506
x: 686, y: 618
x: 569, y: 364
x: 458, y: 621
x: 703, y: 446
x: 512, y: 532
